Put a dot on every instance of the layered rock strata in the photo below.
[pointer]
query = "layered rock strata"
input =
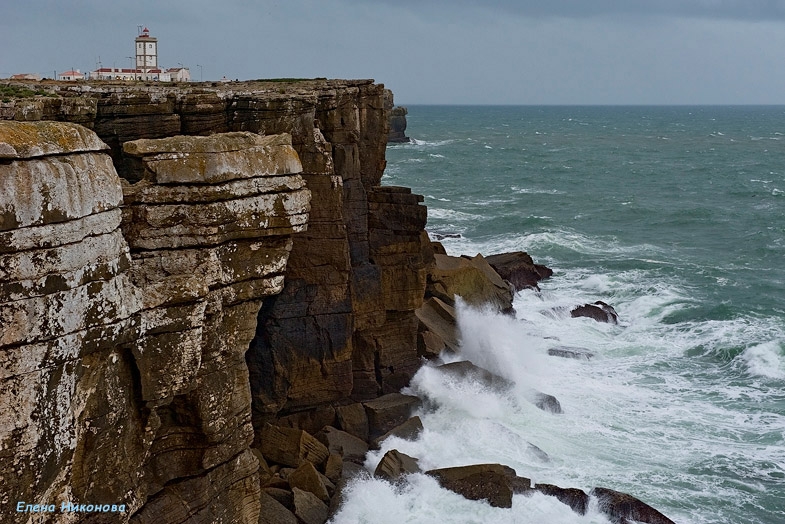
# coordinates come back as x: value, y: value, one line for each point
x: 124, y: 329
x: 68, y: 318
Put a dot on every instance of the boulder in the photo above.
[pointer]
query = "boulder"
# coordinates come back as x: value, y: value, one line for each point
x: 273, y: 512
x: 622, y: 508
x: 575, y: 498
x: 395, y: 464
x: 333, y: 468
x: 291, y: 447
x: 308, y: 508
x: 471, y: 279
x: 599, y: 311
x: 344, y: 444
x: 519, y: 269
x: 490, y: 482
x: 438, y: 327
x: 389, y: 411
x: 547, y: 403
x: 308, y: 479
x: 353, y: 420
x: 466, y: 370
x: 409, y: 430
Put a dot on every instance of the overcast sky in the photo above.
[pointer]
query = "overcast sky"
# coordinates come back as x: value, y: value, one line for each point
x: 431, y: 51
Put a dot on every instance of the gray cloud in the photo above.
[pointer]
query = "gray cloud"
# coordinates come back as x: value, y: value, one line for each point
x: 433, y: 51
x: 718, y: 9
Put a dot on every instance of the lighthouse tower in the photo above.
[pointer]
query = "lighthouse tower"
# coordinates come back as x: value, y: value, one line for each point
x: 146, y: 53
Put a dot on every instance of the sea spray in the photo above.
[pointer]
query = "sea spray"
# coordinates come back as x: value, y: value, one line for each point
x: 681, y: 404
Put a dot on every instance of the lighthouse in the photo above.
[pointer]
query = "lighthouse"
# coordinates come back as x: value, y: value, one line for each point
x: 146, y: 53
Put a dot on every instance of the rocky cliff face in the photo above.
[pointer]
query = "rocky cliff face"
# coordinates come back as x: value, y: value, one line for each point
x: 124, y: 331
x: 148, y: 319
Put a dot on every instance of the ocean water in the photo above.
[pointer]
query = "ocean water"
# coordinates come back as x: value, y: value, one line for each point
x: 673, y: 215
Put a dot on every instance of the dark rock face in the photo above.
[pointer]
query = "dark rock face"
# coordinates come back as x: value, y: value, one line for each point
x: 599, y: 311
x: 519, y: 269
x: 623, y: 508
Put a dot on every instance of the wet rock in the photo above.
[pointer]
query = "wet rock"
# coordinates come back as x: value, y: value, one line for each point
x: 570, y: 352
x: 466, y: 370
x: 389, y: 411
x: 622, y: 508
x: 599, y: 311
x: 575, y: 498
x: 547, y: 403
x: 395, y: 464
x: 519, y: 269
x: 409, y: 430
x: 490, y: 482
x: 438, y: 327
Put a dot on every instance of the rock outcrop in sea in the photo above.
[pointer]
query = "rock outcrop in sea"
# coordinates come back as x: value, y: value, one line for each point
x: 209, y: 304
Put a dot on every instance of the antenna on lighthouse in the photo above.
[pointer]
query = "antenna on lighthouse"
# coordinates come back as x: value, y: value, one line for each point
x: 139, y: 30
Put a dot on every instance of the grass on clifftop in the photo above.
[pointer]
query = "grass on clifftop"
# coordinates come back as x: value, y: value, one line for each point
x: 8, y: 91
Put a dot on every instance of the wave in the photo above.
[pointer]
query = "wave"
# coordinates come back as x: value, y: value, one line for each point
x: 766, y: 359
x: 435, y: 143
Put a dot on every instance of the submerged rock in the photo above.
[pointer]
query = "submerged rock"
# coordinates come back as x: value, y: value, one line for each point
x: 599, y: 311
x: 395, y: 464
x: 468, y: 371
x: 547, y: 403
x: 570, y: 352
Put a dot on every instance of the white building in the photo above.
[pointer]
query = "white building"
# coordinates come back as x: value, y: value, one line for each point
x: 146, y: 49
x: 71, y: 75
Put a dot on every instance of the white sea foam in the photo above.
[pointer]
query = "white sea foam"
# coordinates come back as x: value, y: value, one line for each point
x: 766, y: 359
x: 434, y: 143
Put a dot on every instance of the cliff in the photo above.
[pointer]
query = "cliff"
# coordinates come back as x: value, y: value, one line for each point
x: 201, y: 263
x: 208, y: 304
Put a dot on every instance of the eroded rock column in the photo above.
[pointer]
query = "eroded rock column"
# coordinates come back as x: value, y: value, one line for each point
x: 70, y: 425
x: 209, y: 224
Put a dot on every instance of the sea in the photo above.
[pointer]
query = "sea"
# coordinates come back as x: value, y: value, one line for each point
x: 675, y: 216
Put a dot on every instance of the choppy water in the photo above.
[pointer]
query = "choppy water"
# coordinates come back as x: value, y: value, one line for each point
x: 676, y: 217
